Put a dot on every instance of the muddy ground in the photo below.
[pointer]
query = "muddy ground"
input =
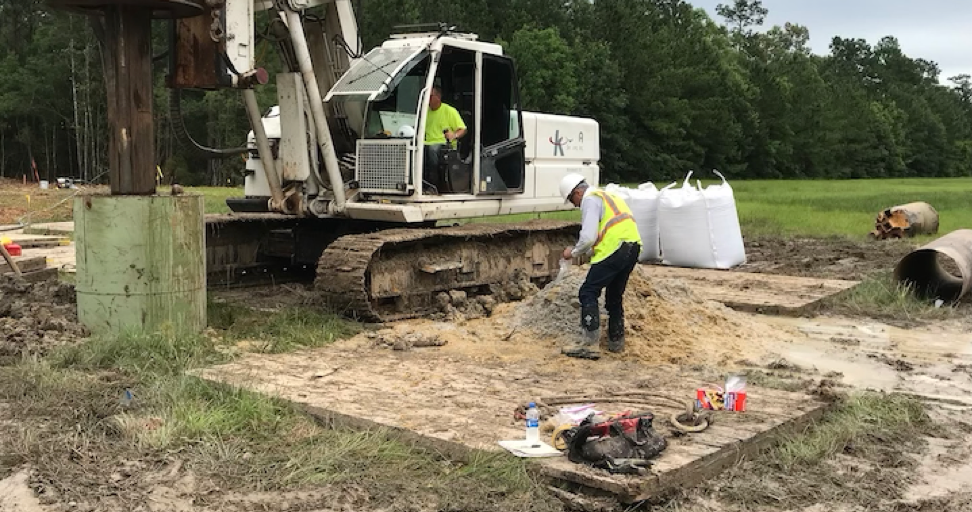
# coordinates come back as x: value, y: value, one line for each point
x: 829, y: 258
x: 930, y: 470
x: 36, y: 318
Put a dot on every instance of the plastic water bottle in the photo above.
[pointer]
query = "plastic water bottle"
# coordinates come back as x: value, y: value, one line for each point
x: 533, y: 424
x: 126, y: 398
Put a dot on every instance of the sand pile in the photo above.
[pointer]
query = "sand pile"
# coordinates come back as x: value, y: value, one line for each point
x: 36, y: 317
x: 664, y: 321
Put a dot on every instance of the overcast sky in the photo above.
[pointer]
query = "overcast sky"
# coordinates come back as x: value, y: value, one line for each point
x: 935, y: 30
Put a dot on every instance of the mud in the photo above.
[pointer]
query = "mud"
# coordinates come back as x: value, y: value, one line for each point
x: 830, y: 258
x: 37, y: 317
x: 405, y: 340
x: 166, y: 486
x: 460, y: 306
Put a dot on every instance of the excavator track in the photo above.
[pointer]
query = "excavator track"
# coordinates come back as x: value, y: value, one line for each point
x: 398, y: 273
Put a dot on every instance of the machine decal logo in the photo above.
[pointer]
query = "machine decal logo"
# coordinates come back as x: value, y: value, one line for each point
x: 558, y: 143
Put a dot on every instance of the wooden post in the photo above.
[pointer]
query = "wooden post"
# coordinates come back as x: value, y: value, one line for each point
x: 127, y: 42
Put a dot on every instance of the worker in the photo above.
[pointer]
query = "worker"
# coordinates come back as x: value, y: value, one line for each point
x: 608, y: 230
x: 443, y: 125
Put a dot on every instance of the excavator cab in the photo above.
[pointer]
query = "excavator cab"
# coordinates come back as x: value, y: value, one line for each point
x: 392, y: 85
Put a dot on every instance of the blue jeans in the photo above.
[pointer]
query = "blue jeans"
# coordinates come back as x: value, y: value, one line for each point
x: 433, y: 174
x: 611, y: 273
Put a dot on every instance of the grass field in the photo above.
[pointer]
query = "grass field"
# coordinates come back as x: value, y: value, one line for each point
x: 833, y: 207
x: 803, y: 208
x: 845, y: 207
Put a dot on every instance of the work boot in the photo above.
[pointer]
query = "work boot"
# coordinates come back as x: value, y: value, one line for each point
x: 616, y: 334
x: 590, y: 319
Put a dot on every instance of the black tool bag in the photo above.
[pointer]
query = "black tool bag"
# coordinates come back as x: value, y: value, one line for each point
x: 617, y: 452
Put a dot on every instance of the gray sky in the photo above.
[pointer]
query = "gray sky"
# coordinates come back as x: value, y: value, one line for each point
x: 935, y: 30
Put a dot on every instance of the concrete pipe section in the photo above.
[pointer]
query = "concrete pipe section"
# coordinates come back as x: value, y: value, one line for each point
x: 922, y: 269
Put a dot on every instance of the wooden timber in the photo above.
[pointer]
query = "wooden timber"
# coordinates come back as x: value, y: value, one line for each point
x: 459, y: 405
x: 752, y: 292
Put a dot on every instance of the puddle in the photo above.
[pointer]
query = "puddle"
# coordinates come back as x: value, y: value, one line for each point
x: 859, y: 372
x: 937, y: 343
x: 933, y: 362
x: 939, y: 477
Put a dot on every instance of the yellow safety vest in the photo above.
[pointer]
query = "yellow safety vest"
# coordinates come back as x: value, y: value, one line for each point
x: 616, y: 227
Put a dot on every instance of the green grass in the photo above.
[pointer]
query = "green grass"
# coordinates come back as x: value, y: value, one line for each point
x: 280, y: 330
x: 881, y: 297
x: 214, y: 197
x: 865, y: 422
x: 845, y: 207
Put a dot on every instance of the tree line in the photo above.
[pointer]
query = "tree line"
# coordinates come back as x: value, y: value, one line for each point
x: 672, y: 88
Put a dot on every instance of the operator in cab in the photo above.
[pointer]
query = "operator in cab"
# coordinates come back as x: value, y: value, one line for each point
x: 443, y: 125
x: 608, y: 230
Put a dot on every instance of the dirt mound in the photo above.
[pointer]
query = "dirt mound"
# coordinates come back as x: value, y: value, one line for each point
x: 664, y: 321
x: 36, y: 317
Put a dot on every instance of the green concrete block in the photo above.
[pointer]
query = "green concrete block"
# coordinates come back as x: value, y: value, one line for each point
x: 141, y: 263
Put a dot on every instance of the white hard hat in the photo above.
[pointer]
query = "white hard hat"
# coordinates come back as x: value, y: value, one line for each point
x: 568, y: 183
x: 406, y: 131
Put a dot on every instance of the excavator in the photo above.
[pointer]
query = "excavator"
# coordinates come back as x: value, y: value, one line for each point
x: 339, y: 184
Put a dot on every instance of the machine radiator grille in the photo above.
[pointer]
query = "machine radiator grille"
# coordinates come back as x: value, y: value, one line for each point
x: 382, y: 166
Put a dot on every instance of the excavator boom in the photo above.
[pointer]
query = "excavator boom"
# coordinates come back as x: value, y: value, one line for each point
x: 341, y: 183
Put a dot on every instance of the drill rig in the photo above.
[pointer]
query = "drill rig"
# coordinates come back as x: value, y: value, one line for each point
x: 337, y: 181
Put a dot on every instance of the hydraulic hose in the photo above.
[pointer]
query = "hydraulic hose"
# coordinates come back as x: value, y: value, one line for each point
x: 182, y: 134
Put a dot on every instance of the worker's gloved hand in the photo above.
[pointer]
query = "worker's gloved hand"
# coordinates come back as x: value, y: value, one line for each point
x: 564, y: 269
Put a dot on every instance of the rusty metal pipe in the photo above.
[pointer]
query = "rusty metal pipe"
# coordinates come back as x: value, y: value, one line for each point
x: 906, y: 220
x: 922, y: 269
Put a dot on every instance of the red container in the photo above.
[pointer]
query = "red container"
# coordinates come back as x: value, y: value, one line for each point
x: 13, y: 249
x: 736, y: 401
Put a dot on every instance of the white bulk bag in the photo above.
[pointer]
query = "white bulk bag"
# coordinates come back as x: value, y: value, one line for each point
x: 700, y: 228
x: 727, y: 240
x: 614, y: 188
x: 643, y: 202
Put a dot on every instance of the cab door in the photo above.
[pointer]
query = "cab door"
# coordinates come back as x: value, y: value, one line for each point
x: 500, y: 136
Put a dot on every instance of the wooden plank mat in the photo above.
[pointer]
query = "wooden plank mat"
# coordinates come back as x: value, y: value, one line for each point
x: 62, y: 257
x: 460, y: 403
x: 51, y: 228
x: 34, y: 241
x: 44, y: 274
x: 25, y: 264
x: 748, y: 291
